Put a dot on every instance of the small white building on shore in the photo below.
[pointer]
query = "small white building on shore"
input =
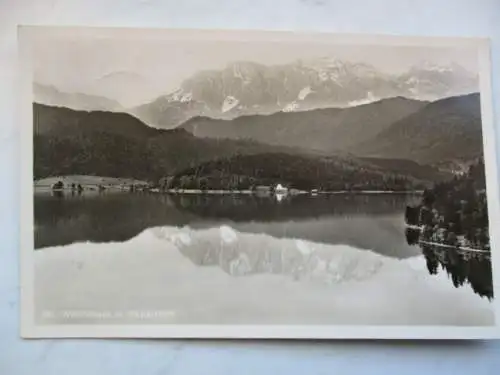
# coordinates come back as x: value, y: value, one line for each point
x: 280, y: 189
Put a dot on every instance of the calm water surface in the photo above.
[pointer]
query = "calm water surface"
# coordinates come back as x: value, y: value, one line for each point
x: 371, y: 222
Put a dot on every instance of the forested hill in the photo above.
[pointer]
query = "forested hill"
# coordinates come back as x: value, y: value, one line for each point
x: 119, y: 145
x: 445, y: 130
x: 458, y: 206
x: 300, y: 172
x: 69, y: 142
x: 326, y: 130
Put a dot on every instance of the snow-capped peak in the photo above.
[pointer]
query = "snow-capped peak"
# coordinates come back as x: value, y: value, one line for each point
x: 304, y: 92
x: 180, y: 96
x: 229, y: 103
x: 291, y: 107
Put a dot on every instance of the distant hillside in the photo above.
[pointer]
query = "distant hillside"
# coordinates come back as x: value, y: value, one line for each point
x: 49, y: 95
x: 447, y: 130
x: 68, y: 142
x: 61, y: 121
x: 324, y: 130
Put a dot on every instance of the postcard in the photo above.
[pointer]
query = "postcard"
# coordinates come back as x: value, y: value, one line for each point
x: 256, y: 184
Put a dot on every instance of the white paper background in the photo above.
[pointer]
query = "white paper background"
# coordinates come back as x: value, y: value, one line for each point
x: 424, y: 17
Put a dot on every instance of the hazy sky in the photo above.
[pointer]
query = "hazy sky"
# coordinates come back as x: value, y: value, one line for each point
x: 136, y: 71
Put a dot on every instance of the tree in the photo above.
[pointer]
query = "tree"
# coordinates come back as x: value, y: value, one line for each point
x: 203, y: 183
x: 58, y: 185
x: 163, y: 183
x: 184, y: 182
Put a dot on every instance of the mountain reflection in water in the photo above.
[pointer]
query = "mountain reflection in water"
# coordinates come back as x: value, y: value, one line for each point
x: 245, y: 254
x: 463, y: 265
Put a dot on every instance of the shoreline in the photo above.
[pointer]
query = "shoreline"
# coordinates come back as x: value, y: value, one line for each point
x: 92, y: 188
x: 250, y: 192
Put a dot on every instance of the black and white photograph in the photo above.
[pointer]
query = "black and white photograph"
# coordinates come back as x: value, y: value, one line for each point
x: 176, y: 179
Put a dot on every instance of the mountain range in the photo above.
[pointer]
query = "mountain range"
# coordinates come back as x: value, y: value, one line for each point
x: 245, y: 88
x: 327, y: 114
x: 248, y: 88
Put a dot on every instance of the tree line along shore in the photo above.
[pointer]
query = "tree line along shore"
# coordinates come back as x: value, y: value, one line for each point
x: 184, y: 185
x: 454, y: 212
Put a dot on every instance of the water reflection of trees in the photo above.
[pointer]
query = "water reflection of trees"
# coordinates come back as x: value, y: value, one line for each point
x: 68, y: 218
x: 462, y: 264
x: 249, y: 207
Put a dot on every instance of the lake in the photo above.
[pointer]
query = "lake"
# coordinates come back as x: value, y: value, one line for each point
x: 243, y: 259
x: 373, y: 222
